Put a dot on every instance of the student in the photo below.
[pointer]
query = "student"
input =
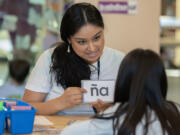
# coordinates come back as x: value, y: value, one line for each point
x: 18, y: 71
x: 54, y: 84
x: 140, y: 105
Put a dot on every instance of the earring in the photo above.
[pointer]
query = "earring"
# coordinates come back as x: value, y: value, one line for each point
x: 68, y: 50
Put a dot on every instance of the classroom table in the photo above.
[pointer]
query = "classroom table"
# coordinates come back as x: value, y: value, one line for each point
x: 59, y: 122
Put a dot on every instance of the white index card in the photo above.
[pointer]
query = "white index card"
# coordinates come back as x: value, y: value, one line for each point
x: 98, y: 89
x: 41, y: 120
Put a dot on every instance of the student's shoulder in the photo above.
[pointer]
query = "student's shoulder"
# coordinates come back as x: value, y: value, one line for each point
x: 76, y: 128
x: 112, y: 109
x: 89, y: 127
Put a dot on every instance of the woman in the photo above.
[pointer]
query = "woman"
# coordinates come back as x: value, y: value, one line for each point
x: 140, y: 106
x: 54, y: 84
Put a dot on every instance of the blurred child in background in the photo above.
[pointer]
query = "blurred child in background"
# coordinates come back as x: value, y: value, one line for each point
x: 18, y: 71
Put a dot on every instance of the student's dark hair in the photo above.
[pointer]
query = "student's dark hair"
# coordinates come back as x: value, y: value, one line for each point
x: 19, y: 69
x: 141, y: 88
x: 69, y: 69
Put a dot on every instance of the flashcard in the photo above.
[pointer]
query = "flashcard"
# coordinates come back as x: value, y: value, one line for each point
x: 98, y: 89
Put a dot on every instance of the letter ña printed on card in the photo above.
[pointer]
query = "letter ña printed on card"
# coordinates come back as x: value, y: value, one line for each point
x: 98, y: 89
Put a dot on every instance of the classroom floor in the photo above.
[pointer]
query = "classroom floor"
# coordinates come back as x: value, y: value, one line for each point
x: 173, y: 81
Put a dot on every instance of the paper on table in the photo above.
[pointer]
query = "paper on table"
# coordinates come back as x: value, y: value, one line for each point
x: 41, y: 120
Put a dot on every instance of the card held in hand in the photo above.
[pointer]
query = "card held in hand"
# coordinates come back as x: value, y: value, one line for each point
x: 98, y: 89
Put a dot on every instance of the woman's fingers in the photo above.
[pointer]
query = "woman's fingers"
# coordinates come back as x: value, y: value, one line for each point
x: 100, y: 105
x: 76, y: 90
x: 100, y: 102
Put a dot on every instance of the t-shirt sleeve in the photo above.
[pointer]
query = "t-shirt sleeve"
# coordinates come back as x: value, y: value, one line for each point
x: 40, y: 79
x: 76, y: 128
x: 89, y: 127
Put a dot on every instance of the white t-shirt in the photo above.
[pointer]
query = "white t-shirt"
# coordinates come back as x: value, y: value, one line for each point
x: 104, y: 127
x: 10, y: 90
x: 40, y: 77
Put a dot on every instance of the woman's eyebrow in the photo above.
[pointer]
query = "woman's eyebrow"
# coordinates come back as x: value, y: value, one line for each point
x: 97, y: 33
x: 79, y: 38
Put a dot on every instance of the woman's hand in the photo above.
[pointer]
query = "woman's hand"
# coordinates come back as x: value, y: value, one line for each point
x: 72, y: 96
x: 100, y: 105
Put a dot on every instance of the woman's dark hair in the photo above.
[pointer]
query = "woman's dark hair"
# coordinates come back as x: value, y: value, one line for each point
x: 141, y: 88
x: 69, y: 69
x: 19, y: 69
